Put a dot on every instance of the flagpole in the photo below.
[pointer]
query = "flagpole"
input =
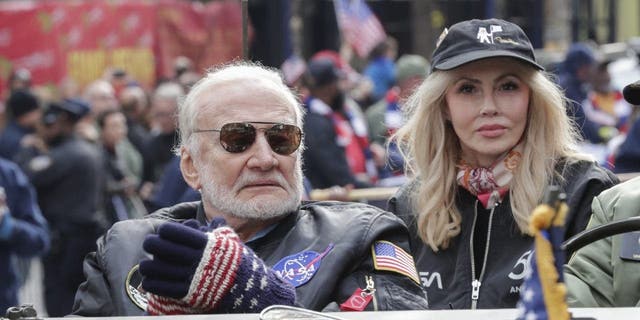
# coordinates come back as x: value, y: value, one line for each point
x: 245, y: 23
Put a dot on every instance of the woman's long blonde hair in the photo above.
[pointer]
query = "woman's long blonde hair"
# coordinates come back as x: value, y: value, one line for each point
x: 431, y: 150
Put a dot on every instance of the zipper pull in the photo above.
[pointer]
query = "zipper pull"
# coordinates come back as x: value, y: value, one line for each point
x: 475, y: 293
x: 370, y: 289
x: 494, y: 199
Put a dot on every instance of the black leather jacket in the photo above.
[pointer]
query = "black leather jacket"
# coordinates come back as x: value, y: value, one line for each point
x: 352, y: 228
x: 447, y: 275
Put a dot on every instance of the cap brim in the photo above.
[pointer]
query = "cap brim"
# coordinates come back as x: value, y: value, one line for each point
x: 478, y: 55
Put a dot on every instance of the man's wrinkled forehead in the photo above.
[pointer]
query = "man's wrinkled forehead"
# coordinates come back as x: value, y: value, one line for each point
x: 236, y: 101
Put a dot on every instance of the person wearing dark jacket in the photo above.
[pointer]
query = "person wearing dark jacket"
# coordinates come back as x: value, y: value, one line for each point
x: 627, y: 158
x: 23, y: 230
x: 574, y: 77
x: 486, y: 133
x: 336, y: 136
x: 249, y: 243
x: 24, y: 115
x: 67, y: 173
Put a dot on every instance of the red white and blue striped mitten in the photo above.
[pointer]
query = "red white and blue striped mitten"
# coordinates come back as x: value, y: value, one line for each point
x: 193, y: 271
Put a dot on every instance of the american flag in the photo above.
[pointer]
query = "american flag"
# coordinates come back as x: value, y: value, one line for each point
x: 542, y: 294
x: 388, y: 256
x: 360, y: 27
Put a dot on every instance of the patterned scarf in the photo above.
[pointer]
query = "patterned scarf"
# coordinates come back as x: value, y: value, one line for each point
x: 483, y: 182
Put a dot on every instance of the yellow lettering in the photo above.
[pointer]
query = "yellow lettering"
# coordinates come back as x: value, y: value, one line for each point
x: 86, y: 66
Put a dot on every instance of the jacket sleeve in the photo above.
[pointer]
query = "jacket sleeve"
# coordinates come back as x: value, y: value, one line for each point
x: 93, y: 298
x: 23, y: 228
x: 589, y: 275
x: 396, y: 288
x: 584, y: 181
x: 596, y: 276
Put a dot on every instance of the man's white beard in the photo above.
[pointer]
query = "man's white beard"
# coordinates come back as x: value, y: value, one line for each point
x: 256, y: 209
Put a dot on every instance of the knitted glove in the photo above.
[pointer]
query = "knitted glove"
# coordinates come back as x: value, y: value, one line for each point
x: 197, y: 272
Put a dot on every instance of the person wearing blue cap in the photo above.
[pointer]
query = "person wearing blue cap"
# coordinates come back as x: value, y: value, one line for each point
x: 486, y: 133
x: 67, y: 173
x: 24, y: 114
x: 575, y: 75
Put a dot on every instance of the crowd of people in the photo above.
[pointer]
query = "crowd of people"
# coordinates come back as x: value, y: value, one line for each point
x: 191, y: 198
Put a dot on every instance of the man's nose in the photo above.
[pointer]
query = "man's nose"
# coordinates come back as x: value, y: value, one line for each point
x: 262, y: 156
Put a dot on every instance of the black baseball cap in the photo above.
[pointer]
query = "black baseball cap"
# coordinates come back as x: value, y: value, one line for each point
x: 632, y: 93
x: 321, y: 72
x: 472, y: 40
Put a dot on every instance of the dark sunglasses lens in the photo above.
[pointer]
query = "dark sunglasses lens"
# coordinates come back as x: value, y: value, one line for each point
x: 283, y: 138
x: 237, y: 137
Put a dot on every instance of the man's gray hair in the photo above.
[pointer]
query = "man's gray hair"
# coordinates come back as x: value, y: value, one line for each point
x: 246, y: 72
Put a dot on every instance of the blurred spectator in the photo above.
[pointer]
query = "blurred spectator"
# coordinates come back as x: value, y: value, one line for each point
x: 336, y: 135
x: 627, y: 158
x: 69, y: 89
x: 182, y: 64
x: 356, y: 86
x: 172, y: 189
x: 574, y: 77
x: 608, y: 111
x: 385, y: 116
x: 24, y: 114
x: 67, y: 173
x: 164, y: 106
x: 605, y: 106
x: 101, y: 97
x: 20, y: 79
x: 23, y: 230
x: 118, y: 78
x: 381, y: 68
x: 188, y: 79
x: 293, y: 69
x: 135, y: 106
x: 121, y: 183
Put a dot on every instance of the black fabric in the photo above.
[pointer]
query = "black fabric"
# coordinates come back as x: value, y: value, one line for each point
x: 475, y: 39
x: 446, y: 274
x: 351, y: 228
x: 21, y: 102
x: 325, y: 162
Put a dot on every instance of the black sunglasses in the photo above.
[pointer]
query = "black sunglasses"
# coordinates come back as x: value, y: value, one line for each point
x: 237, y: 137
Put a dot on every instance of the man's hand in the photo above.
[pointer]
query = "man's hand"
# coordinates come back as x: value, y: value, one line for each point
x: 203, y: 272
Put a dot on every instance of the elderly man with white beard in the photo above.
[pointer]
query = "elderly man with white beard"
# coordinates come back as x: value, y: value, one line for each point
x: 251, y: 242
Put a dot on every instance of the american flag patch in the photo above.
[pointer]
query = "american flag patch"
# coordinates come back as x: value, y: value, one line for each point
x: 387, y: 256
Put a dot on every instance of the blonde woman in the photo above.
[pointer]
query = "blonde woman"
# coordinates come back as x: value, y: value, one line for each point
x: 486, y: 133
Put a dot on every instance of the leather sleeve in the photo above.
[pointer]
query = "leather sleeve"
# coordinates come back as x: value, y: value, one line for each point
x: 393, y: 290
x: 93, y: 298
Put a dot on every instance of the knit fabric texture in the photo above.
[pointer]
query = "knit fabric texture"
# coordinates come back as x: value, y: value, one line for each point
x: 227, y: 276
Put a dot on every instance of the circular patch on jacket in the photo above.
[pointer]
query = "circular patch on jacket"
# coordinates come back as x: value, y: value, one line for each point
x: 299, y: 268
x: 133, y: 287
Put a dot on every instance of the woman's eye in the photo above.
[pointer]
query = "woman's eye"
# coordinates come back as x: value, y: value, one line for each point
x: 466, y: 88
x: 509, y: 86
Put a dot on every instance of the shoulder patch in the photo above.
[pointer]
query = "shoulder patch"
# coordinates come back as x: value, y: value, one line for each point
x: 389, y: 257
x: 299, y: 268
x: 134, y: 290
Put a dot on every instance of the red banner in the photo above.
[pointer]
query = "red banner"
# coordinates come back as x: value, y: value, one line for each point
x: 81, y: 39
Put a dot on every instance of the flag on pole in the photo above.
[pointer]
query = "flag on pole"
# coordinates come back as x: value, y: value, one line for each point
x: 359, y: 26
x: 543, y: 294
